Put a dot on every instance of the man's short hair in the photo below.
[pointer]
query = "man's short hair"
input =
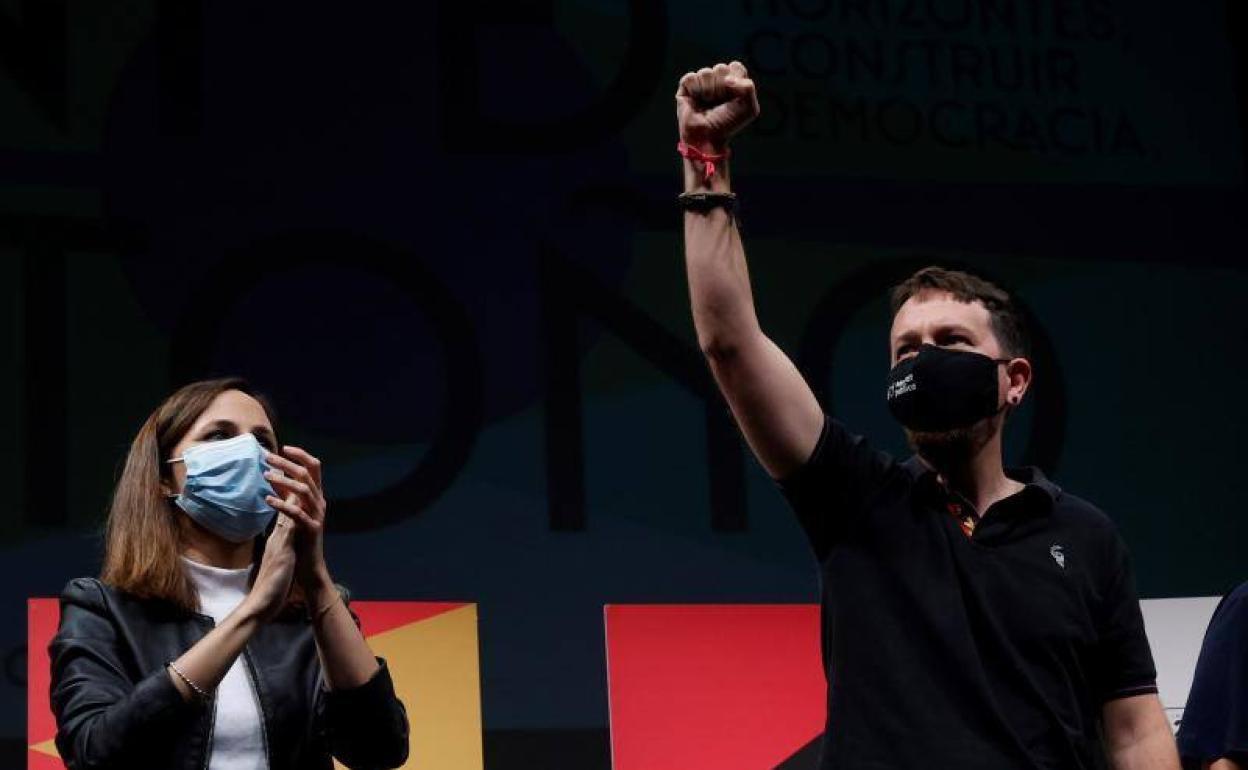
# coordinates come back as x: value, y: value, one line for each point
x: 1008, y: 324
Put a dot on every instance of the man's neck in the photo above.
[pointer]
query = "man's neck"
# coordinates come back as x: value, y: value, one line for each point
x: 981, y: 478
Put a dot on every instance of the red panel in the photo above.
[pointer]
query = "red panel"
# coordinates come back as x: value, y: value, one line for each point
x: 42, y: 617
x: 379, y: 617
x: 729, y: 687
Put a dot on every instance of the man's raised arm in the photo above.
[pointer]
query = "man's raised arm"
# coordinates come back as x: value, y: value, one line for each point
x: 777, y: 411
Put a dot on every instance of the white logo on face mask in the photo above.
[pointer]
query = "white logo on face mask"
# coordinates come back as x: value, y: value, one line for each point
x: 1056, y: 552
x: 901, y: 387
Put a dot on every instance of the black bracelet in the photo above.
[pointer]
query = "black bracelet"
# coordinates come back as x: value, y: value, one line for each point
x: 702, y: 202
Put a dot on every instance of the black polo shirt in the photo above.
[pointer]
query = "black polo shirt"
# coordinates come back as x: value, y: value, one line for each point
x: 995, y: 651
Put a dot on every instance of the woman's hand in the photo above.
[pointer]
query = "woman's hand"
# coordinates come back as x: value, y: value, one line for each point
x: 296, y: 476
x: 346, y: 660
x: 277, y: 570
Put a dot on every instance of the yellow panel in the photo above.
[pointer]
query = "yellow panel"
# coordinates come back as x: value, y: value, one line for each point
x: 437, y: 675
x: 47, y: 747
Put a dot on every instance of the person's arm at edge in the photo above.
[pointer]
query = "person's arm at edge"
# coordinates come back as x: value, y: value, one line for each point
x: 1138, y: 735
x: 775, y: 408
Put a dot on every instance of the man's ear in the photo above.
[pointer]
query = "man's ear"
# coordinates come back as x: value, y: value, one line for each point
x: 1018, y: 372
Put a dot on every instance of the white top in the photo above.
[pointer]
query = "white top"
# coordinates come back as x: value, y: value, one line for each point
x: 237, y: 730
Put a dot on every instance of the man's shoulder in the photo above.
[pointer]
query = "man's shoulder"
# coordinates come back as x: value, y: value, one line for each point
x: 1076, y: 512
x: 840, y: 454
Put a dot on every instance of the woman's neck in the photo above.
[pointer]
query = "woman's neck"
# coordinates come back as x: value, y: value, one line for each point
x: 200, y: 545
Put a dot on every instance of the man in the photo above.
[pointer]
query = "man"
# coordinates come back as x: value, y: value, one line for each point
x: 973, y: 618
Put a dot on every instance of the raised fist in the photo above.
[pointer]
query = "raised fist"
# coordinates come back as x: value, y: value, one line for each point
x: 715, y: 103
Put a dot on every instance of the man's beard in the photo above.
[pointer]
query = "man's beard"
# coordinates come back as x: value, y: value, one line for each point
x: 946, y: 449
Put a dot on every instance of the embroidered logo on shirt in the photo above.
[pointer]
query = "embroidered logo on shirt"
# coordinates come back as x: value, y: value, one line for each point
x: 1056, y: 552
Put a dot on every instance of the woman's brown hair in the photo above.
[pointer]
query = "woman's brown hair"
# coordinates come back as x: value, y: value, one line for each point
x: 142, y: 539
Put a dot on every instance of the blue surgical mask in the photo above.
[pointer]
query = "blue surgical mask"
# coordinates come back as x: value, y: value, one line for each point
x: 225, y: 487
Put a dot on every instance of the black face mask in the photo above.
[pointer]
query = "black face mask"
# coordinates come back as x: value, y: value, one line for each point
x: 940, y: 389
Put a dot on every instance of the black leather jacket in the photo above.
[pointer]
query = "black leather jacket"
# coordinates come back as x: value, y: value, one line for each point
x: 116, y: 706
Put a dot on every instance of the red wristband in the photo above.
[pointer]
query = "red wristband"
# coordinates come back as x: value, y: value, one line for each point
x: 707, y: 159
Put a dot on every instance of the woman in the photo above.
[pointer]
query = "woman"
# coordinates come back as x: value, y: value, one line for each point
x: 206, y: 643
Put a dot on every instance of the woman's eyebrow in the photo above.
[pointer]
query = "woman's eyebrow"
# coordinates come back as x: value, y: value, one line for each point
x: 219, y: 423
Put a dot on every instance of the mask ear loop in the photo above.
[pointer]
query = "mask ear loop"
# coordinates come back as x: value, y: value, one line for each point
x: 170, y: 461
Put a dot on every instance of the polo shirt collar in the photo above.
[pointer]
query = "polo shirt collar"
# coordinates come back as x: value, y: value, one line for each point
x: 1032, y: 477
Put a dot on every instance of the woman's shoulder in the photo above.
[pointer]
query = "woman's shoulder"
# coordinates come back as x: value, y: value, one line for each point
x: 91, y: 608
x: 86, y: 612
x: 95, y: 595
x: 88, y: 592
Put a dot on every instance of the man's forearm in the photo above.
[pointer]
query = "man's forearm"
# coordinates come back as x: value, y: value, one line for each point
x: 1138, y: 735
x: 1154, y: 751
x: 719, y: 280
